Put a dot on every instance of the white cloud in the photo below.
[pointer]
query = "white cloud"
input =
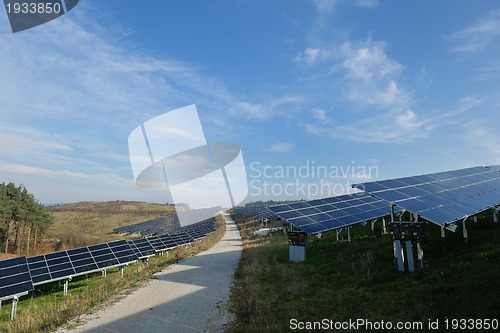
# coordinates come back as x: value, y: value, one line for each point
x: 366, y: 3
x: 368, y: 61
x: 325, y: 6
x: 371, y: 76
x: 311, y: 56
x: 395, y: 126
x: 280, y: 147
x: 484, y: 136
x: 478, y: 36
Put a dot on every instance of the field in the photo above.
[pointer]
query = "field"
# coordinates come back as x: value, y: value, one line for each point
x: 86, y: 223
x: 46, y: 308
x: 342, y: 281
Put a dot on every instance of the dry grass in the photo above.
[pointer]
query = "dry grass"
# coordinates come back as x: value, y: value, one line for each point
x: 342, y: 281
x: 87, y: 223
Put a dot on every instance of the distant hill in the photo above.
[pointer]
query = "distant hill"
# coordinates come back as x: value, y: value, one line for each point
x: 84, y: 223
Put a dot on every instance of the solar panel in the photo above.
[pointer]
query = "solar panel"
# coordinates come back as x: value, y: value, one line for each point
x: 142, y: 248
x: 326, y: 214
x: 122, y: 252
x: 15, y: 279
x: 38, y: 269
x: 82, y: 260
x: 444, y: 197
x: 59, y: 265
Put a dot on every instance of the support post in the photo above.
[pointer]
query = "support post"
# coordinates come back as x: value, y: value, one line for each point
x: 14, y: 308
x: 349, y: 234
x: 443, y: 234
x: 399, y: 255
x: 409, y: 256
x: 373, y: 225
x: 475, y: 218
x: 420, y: 255
x: 121, y: 271
x: 103, y: 273
x: 338, y: 233
x: 465, y: 229
x: 495, y: 217
x: 384, y: 226
x: 65, y: 287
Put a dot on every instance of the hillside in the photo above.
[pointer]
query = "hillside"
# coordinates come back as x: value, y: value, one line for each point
x: 84, y: 223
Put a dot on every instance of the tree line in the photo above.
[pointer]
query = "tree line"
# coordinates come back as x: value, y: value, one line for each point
x: 23, y: 220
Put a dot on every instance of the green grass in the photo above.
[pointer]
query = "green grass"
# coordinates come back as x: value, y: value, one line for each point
x: 46, y: 308
x: 342, y: 281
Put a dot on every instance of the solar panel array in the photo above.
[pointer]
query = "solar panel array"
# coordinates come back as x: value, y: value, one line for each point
x: 262, y: 212
x: 168, y: 223
x: 444, y: 197
x: 65, y: 264
x: 150, y: 227
x: 327, y: 214
x: 19, y: 275
x: 15, y: 279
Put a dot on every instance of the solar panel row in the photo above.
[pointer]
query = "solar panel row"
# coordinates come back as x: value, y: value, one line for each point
x: 444, y: 197
x: 255, y: 211
x: 64, y: 264
x: 169, y: 223
x: 15, y: 279
x: 326, y: 214
x: 19, y: 275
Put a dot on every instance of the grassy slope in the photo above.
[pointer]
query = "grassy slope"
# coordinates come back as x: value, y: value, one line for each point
x: 86, y: 223
x: 339, y: 281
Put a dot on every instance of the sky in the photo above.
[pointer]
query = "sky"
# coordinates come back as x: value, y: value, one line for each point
x: 318, y: 94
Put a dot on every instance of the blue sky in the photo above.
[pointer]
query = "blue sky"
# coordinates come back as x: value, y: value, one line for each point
x: 403, y: 88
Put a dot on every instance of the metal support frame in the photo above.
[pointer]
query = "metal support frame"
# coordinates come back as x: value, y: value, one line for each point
x: 121, y: 271
x: 475, y: 218
x: 338, y: 231
x: 409, y: 256
x: 373, y: 225
x: 399, y: 256
x: 495, y: 216
x: 420, y: 256
x: 14, y: 308
x: 104, y: 273
x: 384, y: 226
x: 65, y: 287
x: 466, y: 239
x: 443, y: 234
x: 349, y: 234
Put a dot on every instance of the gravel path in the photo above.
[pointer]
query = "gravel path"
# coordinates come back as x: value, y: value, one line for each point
x: 190, y: 296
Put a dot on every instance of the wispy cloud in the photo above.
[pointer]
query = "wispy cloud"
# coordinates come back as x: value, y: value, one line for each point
x: 282, y: 147
x: 393, y: 126
x: 371, y: 75
x: 366, y: 3
x: 477, y: 36
x: 484, y: 136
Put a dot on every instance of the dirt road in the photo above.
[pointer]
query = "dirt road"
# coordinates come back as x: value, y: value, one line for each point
x: 190, y: 296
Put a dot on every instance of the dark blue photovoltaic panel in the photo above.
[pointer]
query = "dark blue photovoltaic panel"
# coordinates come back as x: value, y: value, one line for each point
x: 443, y: 197
x: 142, y: 248
x: 326, y: 214
x: 38, y: 269
x: 157, y: 244
x: 82, y: 260
x: 59, y: 265
x: 122, y: 252
x: 103, y: 256
x: 15, y: 278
